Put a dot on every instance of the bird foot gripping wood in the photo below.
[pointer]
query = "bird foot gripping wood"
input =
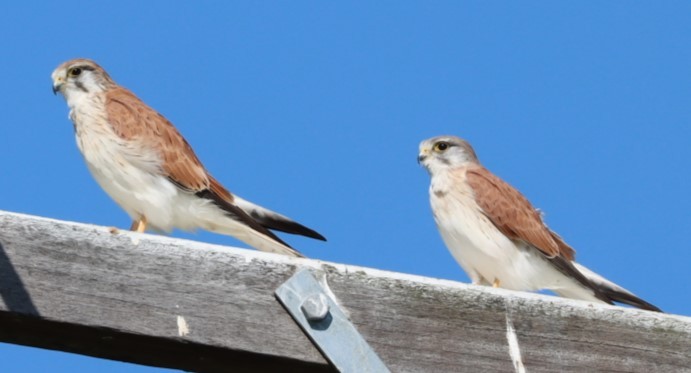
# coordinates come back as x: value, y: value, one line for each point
x: 496, y: 283
x: 139, y: 226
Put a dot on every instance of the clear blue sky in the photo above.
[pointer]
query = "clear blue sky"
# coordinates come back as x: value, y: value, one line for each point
x: 316, y: 109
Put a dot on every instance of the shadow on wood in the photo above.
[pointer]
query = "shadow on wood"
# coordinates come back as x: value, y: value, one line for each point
x: 12, y: 289
x: 141, y: 349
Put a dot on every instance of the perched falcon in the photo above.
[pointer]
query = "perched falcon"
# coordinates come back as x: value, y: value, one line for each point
x: 498, y: 237
x: 140, y: 159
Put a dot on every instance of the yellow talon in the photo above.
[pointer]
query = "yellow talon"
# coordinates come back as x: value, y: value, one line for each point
x: 139, y: 226
x: 495, y: 284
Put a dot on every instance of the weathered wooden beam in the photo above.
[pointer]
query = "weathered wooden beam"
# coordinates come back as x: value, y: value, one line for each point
x: 130, y: 297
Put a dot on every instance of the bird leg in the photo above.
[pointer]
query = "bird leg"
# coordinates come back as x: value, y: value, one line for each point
x: 139, y: 226
x: 496, y: 282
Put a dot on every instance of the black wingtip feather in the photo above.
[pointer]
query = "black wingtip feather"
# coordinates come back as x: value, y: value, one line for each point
x: 239, y: 214
x: 630, y: 299
x: 287, y: 226
x: 601, y: 292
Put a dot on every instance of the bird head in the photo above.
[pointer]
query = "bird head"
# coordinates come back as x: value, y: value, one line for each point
x: 444, y: 152
x: 78, y: 77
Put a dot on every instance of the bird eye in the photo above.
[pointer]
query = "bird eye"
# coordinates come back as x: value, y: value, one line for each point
x: 75, y: 71
x: 441, y: 146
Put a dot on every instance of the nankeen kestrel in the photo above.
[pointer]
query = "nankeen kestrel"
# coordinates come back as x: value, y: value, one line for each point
x: 498, y: 237
x: 140, y: 159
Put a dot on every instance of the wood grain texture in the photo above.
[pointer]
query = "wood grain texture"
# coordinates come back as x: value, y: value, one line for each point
x: 79, y: 288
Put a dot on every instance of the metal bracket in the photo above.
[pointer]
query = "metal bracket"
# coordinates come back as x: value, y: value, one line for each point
x: 327, y: 325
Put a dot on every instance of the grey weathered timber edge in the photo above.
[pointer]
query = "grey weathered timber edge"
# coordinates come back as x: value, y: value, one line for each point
x: 127, y: 296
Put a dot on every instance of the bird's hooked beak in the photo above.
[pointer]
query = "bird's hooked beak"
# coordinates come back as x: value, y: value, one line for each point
x: 57, y: 84
x: 423, y: 155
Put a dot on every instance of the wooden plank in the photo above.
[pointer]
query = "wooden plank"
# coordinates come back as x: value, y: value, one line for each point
x: 124, y: 299
x: 79, y: 288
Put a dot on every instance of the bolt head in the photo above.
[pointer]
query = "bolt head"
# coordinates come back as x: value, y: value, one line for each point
x: 315, y: 307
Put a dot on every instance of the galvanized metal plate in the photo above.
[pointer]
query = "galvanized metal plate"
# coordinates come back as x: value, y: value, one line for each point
x: 327, y: 325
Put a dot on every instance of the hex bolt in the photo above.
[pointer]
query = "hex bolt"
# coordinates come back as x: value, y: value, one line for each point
x: 315, y: 307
